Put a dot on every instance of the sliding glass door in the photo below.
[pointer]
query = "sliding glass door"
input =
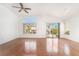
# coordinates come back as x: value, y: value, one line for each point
x: 53, y: 30
x: 53, y: 34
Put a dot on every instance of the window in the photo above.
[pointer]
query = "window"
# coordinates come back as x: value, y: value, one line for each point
x: 29, y: 28
x: 29, y: 25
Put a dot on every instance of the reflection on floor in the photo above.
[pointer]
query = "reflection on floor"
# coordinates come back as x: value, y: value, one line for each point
x: 40, y: 47
x: 52, y: 45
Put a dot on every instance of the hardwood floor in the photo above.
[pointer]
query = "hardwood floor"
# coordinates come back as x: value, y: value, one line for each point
x: 17, y: 48
x: 73, y: 47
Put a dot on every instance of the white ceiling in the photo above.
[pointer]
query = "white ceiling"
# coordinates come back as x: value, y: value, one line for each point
x: 61, y: 10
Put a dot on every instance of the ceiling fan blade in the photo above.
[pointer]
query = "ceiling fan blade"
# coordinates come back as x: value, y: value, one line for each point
x: 21, y: 5
x: 28, y: 8
x: 20, y: 10
x: 16, y: 7
x: 26, y: 11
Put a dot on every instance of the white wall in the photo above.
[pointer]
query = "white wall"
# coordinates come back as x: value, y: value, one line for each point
x: 11, y: 25
x: 73, y: 26
x: 41, y: 26
x: 8, y: 25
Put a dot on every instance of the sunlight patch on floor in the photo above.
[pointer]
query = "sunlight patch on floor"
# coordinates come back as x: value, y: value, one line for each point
x: 55, y: 45
x: 66, y: 49
x: 52, y: 45
x: 30, y: 46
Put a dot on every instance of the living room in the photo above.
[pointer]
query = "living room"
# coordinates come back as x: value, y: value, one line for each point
x: 42, y: 29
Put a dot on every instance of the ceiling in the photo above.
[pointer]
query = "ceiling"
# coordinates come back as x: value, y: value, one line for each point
x: 61, y: 10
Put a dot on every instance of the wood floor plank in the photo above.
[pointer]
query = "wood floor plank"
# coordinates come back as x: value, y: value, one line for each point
x: 17, y: 47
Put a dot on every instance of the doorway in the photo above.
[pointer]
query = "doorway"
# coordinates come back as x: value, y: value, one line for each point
x: 53, y: 34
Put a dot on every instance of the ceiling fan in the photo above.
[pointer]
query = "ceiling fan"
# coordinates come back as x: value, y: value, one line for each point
x: 22, y: 8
